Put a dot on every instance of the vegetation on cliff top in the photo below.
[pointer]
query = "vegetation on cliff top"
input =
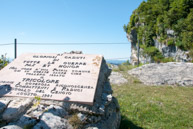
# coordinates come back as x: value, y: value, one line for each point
x: 169, y: 21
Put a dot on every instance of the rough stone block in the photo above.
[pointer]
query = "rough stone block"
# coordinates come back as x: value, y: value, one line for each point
x: 17, y: 108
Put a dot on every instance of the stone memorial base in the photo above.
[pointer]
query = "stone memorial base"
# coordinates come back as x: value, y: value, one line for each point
x: 35, y: 113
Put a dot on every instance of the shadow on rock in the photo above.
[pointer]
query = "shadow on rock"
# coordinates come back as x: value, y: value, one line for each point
x: 127, y: 124
x: 4, y: 89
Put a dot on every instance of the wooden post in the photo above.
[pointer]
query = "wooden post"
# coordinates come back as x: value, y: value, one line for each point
x: 15, y: 48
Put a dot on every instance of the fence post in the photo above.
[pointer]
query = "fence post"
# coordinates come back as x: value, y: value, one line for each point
x: 15, y: 48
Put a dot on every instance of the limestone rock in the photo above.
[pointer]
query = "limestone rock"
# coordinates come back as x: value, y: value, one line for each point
x: 16, y: 108
x: 11, y: 127
x: 51, y: 121
x: 117, y: 78
x: 173, y: 73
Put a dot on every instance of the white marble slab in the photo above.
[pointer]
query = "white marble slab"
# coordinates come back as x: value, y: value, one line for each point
x: 69, y: 77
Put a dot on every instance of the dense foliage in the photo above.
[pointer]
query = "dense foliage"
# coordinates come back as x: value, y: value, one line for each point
x: 169, y: 21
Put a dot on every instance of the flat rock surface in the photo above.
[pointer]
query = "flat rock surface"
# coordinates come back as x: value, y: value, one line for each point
x: 117, y: 78
x: 172, y: 73
x: 52, y: 76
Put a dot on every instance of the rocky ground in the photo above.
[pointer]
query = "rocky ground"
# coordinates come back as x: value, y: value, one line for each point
x: 172, y: 73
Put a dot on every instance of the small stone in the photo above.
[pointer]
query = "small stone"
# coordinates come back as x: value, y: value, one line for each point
x: 92, y: 128
x: 109, y: 97
x: 102, y: 108
x: 81, y: 116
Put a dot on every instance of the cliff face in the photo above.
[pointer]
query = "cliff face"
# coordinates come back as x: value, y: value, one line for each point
x: 132, y: 37
x: 166, y: 50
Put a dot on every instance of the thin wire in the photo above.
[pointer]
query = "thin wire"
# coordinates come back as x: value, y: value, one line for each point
x: 71, y: 43
x: 118, y: 58
x: 6, y: 44
x: 66, y: 44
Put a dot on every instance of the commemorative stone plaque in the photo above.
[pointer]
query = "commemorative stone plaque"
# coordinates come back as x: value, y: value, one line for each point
x: 65, y: 77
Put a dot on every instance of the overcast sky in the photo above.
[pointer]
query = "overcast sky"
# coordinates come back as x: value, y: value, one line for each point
x: 66, y: 21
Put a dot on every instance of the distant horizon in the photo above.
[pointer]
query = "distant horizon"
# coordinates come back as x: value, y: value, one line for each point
x: 121, y: 60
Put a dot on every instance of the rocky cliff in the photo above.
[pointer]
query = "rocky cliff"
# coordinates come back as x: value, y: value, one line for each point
x: 167, y: 51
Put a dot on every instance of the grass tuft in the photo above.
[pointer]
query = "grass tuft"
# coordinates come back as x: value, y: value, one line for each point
x: 75, y: 121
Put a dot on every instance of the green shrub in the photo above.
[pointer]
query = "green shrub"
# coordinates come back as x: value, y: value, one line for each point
x: 180, y: 45
x: 151, y: 51
x: 169, y: 59
x: 158, y: 57
x: 37, y: 101
x: 171, y: 42
x: 155, y: 54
